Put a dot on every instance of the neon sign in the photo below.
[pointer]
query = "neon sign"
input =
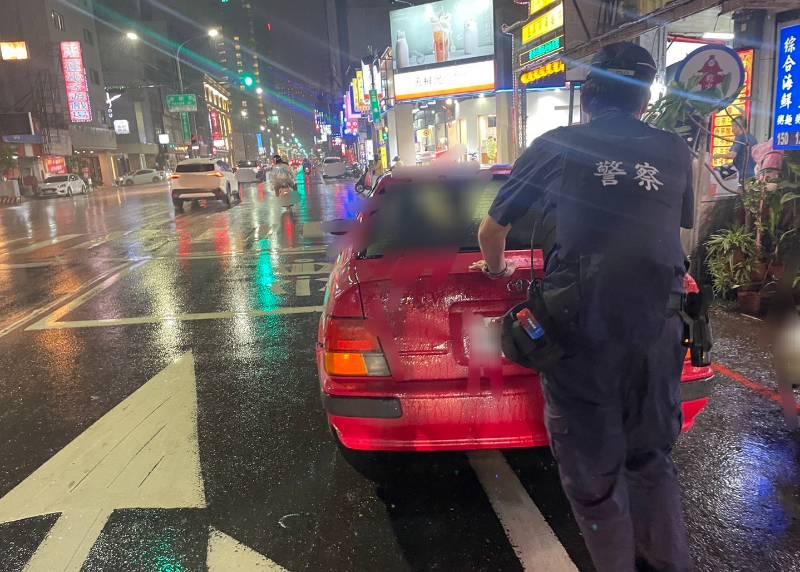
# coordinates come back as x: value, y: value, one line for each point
x: 538, y: 5
x: 786, y: 130
x: 552, y: 74
x: 544, y: 24
x: 80, y: 107
x: 722, y: 122
x: 542, y: 50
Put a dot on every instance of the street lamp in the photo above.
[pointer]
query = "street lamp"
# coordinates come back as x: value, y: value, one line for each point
x: 274, y: 112
x: 132, y: 36
x: 244, y: 113
x: 211, y: 33
x: 259, y: 90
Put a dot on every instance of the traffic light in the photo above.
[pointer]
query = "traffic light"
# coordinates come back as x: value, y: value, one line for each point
x: 248, y: 80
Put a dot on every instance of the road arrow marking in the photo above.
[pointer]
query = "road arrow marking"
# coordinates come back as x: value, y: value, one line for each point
x: 303, y: 286
x: 226, y: 554
x: 325, y: 285
x: 141, y: 454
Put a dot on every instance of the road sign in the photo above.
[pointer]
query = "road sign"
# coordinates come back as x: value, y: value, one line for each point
x: 375, y: 105
x: 185, y: 127
x: 182, y: 102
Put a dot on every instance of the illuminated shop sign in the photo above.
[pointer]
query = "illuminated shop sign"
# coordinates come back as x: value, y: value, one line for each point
x: 542, y: 50
x: 548, y: 22
x: 535, y: 6
x: 787, y: 93
x: 552, y: 74
x: 13, y: 51
x: 80, y: 108
x: 722, y: 122
x: 458, y: 79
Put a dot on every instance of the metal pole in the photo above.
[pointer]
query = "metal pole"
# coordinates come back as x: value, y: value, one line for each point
x: 571, y: 101
x: 178, y: 64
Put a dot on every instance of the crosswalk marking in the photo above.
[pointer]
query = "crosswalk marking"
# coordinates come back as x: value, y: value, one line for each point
x: 44, y: 244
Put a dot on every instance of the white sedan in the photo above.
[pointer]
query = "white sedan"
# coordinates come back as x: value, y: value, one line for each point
x: 62, y: 186
x: 143, y: 176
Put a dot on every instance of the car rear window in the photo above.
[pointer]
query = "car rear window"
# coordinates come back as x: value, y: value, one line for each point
x: 60, y: 179
x: 330, y: 160
x: 423, y: 217
x: 195, y: 168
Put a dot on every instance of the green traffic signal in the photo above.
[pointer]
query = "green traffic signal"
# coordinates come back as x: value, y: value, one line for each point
x: 248, y: 80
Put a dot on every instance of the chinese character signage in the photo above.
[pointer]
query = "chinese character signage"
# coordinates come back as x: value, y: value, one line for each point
x: 552, y: 74
x: 722, y: 122
x: 786, y: 133
x: 181, y: 102
x: 216, y: 129
x: 472, y: 77
x: 80, y: 108
x: 548, y: 22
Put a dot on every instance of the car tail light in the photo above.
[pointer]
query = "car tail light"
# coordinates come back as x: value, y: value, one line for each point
x: 351, y: 350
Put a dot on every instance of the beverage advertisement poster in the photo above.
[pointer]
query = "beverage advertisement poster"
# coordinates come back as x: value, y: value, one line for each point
x: 441, y: 32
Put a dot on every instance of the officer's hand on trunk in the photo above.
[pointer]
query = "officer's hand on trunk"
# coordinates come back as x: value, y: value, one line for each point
x: 482, y: 266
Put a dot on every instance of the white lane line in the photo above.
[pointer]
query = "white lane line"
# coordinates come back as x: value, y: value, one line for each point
x: 303, y: 286
x: 97, y: 241
x: 62, y: 311
x: 45, y: 324
x: 44, y: 244
x: 29, y: 265
x: 530, y: 536
x: 29, y: 316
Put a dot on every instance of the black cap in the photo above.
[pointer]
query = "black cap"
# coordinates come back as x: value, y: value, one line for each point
x: 624, y: 59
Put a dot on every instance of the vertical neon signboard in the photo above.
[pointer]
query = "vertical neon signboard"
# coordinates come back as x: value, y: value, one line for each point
x: 786, y: 130
x: 80, y: 107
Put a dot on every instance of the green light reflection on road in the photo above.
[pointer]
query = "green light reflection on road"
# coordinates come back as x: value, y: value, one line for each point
x: 266, y: 281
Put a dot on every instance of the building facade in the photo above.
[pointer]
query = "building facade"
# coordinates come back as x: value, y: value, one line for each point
x: 60, y: 82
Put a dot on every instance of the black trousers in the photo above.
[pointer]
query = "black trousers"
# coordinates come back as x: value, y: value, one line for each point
x: 613, y: 415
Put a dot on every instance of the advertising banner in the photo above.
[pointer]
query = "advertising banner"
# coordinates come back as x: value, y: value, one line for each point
x: 216, y: 129
x: 55, y: 165
x: 442, y: 32
x: 472, y: 77
x: 80, y: 108
x: 787, y: 92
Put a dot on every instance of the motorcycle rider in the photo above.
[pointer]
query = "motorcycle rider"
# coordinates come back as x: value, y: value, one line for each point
x: 282, y: 176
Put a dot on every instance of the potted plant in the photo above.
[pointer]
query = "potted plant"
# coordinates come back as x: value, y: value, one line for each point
x: 730, y: 255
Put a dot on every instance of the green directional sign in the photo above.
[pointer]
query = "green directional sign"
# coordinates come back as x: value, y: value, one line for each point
x: 182, y: 102
x: 375, y: 105
x: 185, y: 127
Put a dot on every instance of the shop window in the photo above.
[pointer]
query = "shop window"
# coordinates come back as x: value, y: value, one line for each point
x: 87, y: 37
x: 58, y: 20
x: 487, y: 138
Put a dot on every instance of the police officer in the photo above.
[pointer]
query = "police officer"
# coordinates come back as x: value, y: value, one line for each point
x: 611, y: 195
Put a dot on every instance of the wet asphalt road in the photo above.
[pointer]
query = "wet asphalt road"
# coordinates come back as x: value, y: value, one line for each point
x: 225, y: 459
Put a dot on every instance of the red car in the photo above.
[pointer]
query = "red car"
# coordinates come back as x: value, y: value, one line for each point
x: 394, y: 363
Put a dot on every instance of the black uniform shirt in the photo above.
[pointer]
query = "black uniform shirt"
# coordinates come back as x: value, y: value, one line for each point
x: 614, y: 183
x: 619, y: 189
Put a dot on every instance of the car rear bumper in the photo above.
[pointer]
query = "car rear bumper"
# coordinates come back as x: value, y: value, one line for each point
x: 194, y: 193
x: 502, y: 419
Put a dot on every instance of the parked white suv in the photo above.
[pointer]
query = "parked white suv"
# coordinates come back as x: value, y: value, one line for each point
x: 203, y: 179
x: 143, y: 176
